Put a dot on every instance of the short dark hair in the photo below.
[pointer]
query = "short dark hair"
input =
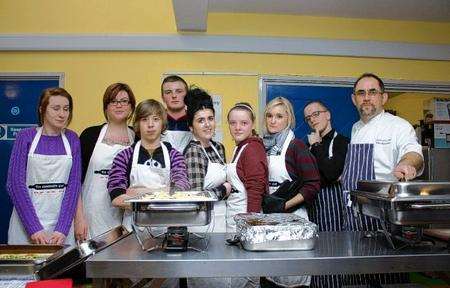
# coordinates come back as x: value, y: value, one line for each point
x: 111, y: 93
x: 44, y: 99
x: 173, y: 78
x: 370, y: 75
x: 316, y: 102
x: 197, y: 99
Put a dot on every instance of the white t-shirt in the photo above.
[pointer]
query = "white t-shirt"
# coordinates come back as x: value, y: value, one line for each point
x: 392, y: 137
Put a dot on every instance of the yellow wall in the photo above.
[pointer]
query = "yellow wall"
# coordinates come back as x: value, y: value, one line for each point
x: 410, y: 105
x: 329, y: 28
x: 88, y: 73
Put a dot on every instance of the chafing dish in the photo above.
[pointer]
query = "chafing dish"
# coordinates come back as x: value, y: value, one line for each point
x: 275, y: 232
x: 172, y: 209
x: 22, y: 261
x: 72, y: 260
x: 417, y: 203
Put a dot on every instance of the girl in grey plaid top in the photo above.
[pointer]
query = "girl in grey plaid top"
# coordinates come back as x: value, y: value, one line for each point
x: 202, y: 151
x: 197, y: 164
x: 205, y: 160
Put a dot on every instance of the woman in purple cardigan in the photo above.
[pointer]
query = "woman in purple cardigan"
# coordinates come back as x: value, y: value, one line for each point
x: 44, y: 175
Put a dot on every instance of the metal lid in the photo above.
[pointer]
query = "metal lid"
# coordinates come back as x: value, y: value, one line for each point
x: 80, y: 253
x: 429, y: 189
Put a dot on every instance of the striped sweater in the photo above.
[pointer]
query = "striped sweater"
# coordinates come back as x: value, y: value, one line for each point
x: 119, y: 175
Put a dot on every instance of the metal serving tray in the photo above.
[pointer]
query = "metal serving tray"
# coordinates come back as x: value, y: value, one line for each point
x: 76, y: 256
x: 25, y: 268
x: 193, y: 211
x: 167, y: 197
x: 275, y: 232
x: 419, y: 203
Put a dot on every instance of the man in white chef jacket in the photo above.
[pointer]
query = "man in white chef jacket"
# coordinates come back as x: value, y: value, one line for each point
x: 382, y: 147
x: 397, y: 153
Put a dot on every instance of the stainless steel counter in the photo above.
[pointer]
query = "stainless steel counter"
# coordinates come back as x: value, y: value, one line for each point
x: 335, y: 252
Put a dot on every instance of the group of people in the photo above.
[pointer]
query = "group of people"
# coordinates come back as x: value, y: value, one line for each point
x: 66, y: 188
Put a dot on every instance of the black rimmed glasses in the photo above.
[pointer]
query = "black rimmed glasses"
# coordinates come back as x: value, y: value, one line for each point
x: 122, y: 102
x: 314, y: 114
x: 371, y: 92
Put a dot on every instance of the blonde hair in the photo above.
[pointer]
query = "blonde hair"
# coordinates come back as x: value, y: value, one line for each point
x: 146, y: 108
x: 280, y: 101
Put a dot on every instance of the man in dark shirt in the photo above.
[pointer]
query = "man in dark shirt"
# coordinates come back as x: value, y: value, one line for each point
x: 330, y: 149
x: 323, y: 136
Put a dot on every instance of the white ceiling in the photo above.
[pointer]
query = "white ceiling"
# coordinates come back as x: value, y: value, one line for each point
x: 191, y: 15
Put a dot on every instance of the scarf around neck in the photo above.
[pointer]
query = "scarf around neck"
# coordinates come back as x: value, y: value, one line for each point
x: 274, y: 142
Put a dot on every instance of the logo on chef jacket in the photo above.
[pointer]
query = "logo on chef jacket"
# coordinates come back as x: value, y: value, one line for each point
x: 15, y: 110
x: 383, y: 141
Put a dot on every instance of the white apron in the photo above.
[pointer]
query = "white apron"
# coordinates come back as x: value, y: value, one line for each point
x: 278, y: 172
x: 100, y: 213
x: 277, y: 175
x: 147, y: 175
x: 236, y: 202
x: 216, y: 175
x: 47, y: 178
x: 178, y: 139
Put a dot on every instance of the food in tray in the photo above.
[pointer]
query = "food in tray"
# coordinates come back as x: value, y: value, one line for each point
x: 260, y: 222
x: 24, y: 256
x: 179, y: 195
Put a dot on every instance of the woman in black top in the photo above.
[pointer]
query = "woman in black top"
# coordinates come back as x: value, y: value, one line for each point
x: 99, y: 145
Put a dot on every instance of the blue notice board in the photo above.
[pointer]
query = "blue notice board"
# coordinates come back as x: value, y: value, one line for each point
x: 18, y: 110
x: 337, y: 98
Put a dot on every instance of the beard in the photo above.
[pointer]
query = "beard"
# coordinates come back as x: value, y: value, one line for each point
x: 367, y: 111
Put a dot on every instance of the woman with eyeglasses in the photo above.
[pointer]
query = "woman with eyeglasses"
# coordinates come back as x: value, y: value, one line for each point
x: 289, y: 160
x: 44, y: 175
x: 329, y: 148
x: 99, y: 145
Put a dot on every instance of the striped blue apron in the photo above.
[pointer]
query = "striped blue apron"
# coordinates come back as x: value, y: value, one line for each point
x: 327, y: 211
x: 359, y: 165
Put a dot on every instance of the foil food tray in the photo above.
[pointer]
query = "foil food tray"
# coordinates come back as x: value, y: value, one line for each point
x: 275, y: 232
